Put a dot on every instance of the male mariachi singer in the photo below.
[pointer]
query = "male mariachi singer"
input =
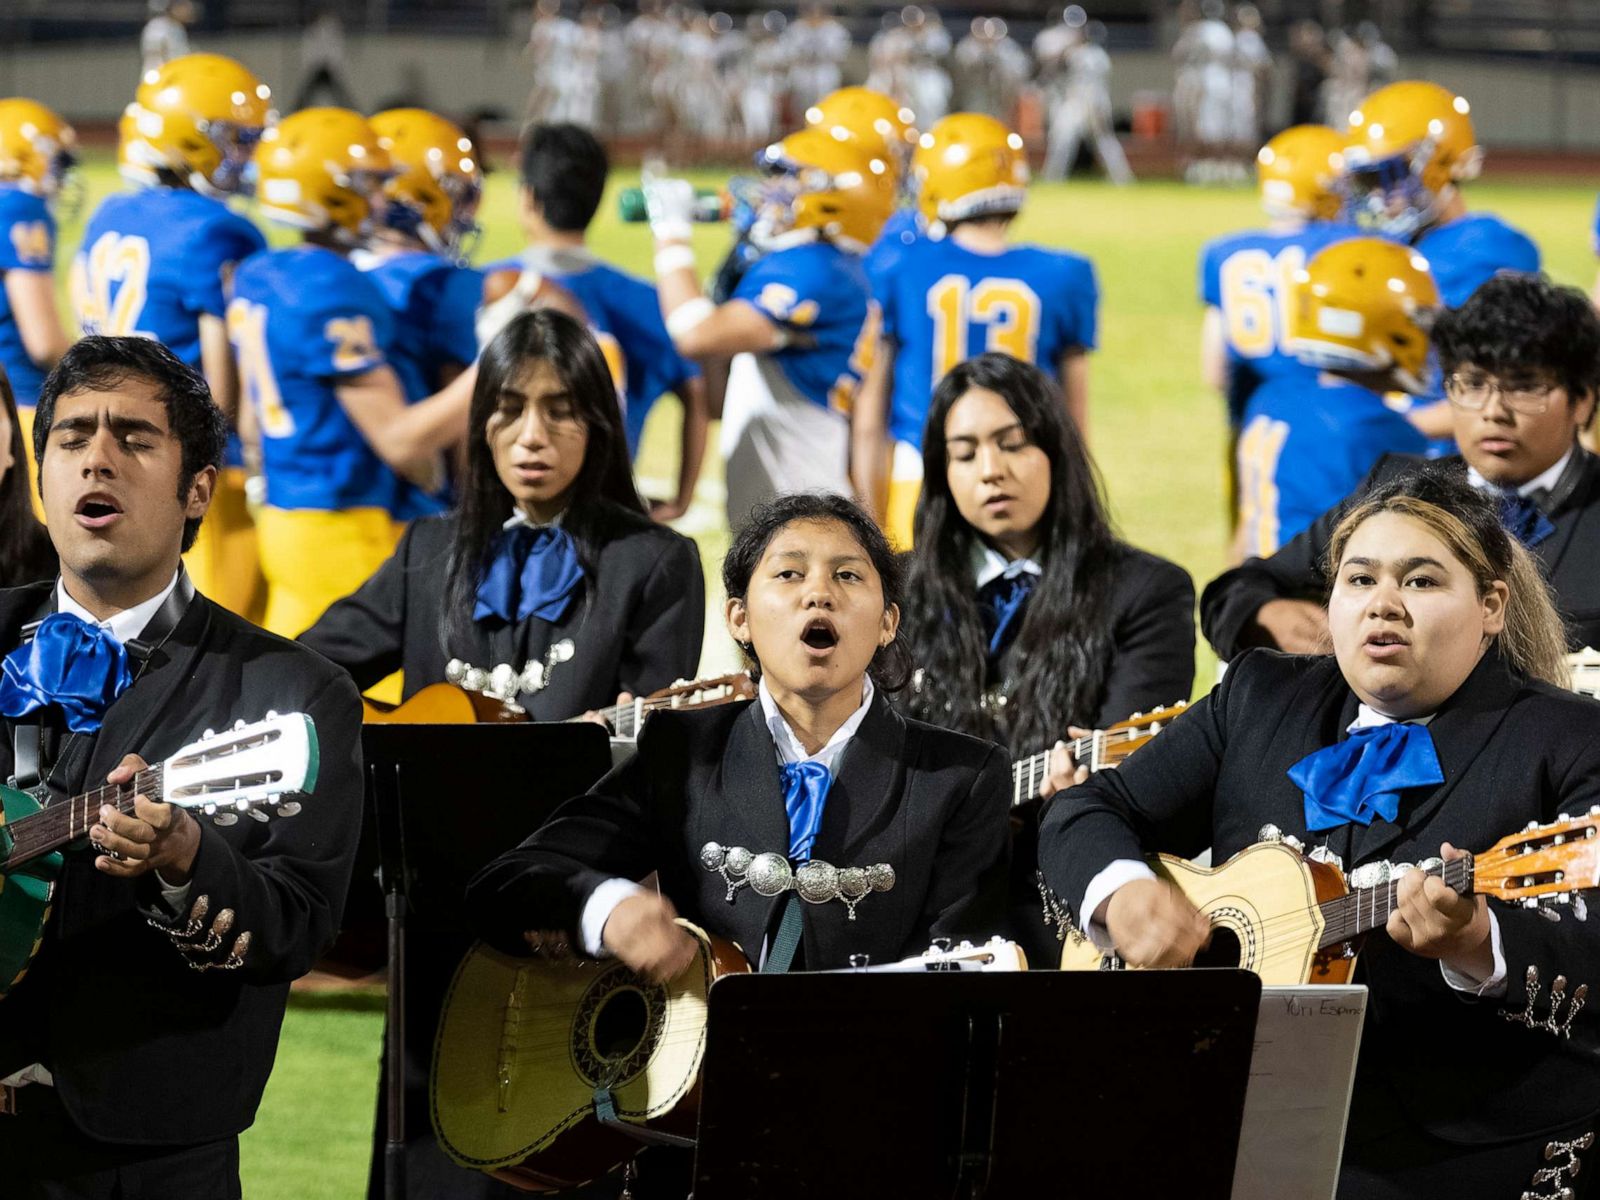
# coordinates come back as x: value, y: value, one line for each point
x: 136, y: 1047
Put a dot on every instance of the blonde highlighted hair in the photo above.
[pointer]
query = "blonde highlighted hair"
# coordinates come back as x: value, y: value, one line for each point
x: 1533, y: 641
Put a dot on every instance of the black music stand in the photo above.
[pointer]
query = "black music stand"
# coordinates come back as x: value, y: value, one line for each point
x: 975, y: 1086
x: 447, y: 800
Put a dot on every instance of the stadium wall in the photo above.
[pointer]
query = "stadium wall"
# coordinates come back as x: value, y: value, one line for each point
x: 1523, y: 104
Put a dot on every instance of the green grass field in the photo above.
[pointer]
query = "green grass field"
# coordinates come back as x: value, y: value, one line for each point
x: 1156, y: 433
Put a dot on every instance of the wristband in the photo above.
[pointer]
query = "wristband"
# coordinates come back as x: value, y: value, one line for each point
x: 689, y: 315
x: 675, y: 257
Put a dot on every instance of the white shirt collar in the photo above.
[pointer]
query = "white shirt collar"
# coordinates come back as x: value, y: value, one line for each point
x: 989, y: 564
x: 1545, y: 479
x: 788, y: 746
x: 1367, y: 718
x: 125, y: 625
x: 518, y: 517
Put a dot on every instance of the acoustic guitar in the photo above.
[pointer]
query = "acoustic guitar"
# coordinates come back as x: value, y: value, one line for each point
x: 1293, y: 919
x: 525, y: 1046
x: 457, y: 703
x: 1585, y: 667
x: 245, y: 770
x: 1098, y: 750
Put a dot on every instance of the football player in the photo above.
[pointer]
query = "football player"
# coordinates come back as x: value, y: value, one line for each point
x: 156, y: 261
x: 1357, y: 317
x: 1246, y: 278
x: 1408, y: 149
x: 418, y: 246
x: 801, y: 326
x: 347, y: 461
x: 564, y: 170
x: 963, y: 290
x: 36, y: 159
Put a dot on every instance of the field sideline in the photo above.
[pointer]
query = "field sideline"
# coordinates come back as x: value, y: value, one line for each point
x: 1157, y: 435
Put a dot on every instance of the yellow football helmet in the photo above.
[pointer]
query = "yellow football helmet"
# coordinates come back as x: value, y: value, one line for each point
x: 322, y: 170
x: 198, y: 118
x: 1298, y: 172
x: 1407, y: 146
x: 819, y: 181
x: 969, y: 165
x: 1365, y: 304
x: 885, y: 128
x: 434, y: 192
x: 37, y: 147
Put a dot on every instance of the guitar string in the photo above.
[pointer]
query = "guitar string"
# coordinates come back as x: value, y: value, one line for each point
x: 40, y: 832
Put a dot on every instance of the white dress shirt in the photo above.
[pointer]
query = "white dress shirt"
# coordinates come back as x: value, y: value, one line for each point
x: 1126, y: 870
x: 604, y: 899
x: 1545, y: 480
x: 989, y: 564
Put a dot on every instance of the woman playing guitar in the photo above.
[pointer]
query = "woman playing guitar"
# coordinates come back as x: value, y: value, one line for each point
x: 1025, y: 613
x: 1441, y: 721
x: 550, y: 558
x: 819, y: 770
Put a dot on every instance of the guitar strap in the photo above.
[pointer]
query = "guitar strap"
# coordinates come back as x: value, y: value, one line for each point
x: 780, y: 955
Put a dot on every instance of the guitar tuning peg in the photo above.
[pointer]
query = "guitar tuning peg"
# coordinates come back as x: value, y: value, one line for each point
x: 288, y: 808
x: 210, y: 810
x: 224, y: 819
x: 242, y: 805
x: 272, y: 714
x: 257, y: 815
x: 238, y: 725
x: 1560, y: 817
x: 208, y: 735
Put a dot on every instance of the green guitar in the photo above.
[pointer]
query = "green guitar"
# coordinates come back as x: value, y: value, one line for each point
x: 244, y: 770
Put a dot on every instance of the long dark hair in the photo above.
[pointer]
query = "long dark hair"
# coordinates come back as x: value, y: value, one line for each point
x: 890, y: 667
x: 1063, y: 651
x: 604, y: 503
x: 25, y: 551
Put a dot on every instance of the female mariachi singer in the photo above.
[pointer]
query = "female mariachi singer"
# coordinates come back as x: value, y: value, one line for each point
x: 1027, y: 616
x: 1440, y: 721
x: 26, y: 555
x: 551, y: 558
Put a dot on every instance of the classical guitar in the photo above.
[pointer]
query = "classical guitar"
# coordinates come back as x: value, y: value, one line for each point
x: 241, y: 771
x: 525, y: 1044
x: 1585, y: 667
x: 461, y: 703
x: 1296, y: 919
x: 1098, y: 750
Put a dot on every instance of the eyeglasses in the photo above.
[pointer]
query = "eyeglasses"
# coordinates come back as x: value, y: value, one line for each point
x: 1473, y: 394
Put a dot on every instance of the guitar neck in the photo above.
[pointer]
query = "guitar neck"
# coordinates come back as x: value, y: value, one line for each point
x: 1027, y: 774
x: 625, y: 719
x: 1364, y: 909
x: 49, y: 829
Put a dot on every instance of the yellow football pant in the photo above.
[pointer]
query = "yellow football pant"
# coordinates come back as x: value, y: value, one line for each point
x: 225, y: 561
x: 25, y: 420
x: 312, y: 557
x: 905, y: 488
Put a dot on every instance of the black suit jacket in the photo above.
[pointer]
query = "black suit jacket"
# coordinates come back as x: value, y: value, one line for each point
x: 1512, y: 752
x: 150, y: 1037
x: 1570, y: 557
x: 636, y: 625
x: 930, y: 803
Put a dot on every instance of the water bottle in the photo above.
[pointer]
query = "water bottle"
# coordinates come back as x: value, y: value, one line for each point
x: 710, y: 205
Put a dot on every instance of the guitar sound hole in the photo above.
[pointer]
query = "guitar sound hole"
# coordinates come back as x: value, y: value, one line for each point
x: 620, y: 1024
x: 1223, y: 950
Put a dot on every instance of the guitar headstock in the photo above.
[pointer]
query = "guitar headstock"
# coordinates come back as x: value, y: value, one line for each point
x: 704, y: 693
x: 1123, y: 738
x: 245, y: 769
x: 1585, y: 667
x: 997, y: 954
x: 1542, y: 862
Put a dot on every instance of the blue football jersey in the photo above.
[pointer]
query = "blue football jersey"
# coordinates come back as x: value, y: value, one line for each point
x: 152, y: 264
x: 625, y: 314
x: 1304, y: 447
x: 904, y: 228
x: 819, y: 294
x: 1465, y: 253
x: 944, y: 303
x: 1249, y: 277
x: 301, y: 320
x: 27, y: 243
x: 435, y: 304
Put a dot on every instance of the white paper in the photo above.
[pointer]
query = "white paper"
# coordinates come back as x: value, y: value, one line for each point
x: 1298, y: 1100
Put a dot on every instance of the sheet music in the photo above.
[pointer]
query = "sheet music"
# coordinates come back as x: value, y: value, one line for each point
x: 1298, y: 1100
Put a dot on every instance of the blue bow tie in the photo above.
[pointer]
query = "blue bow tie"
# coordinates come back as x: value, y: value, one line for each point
x: 1524, y: 519
x: 1001, y: 603
x: 70, y: 663
x: 805, y: 789
x: 1361, y: 777
x: 532, y: 572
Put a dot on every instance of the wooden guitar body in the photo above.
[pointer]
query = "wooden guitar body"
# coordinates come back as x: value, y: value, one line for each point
x: 24, y: 895
x: 1262, y: 905
x: 524, y: 1043
x: 440, y: 704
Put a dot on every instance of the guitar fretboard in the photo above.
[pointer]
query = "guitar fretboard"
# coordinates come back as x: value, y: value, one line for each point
x: 1028, y: 773
x: 49, y: 829
x: 1365, y: 909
